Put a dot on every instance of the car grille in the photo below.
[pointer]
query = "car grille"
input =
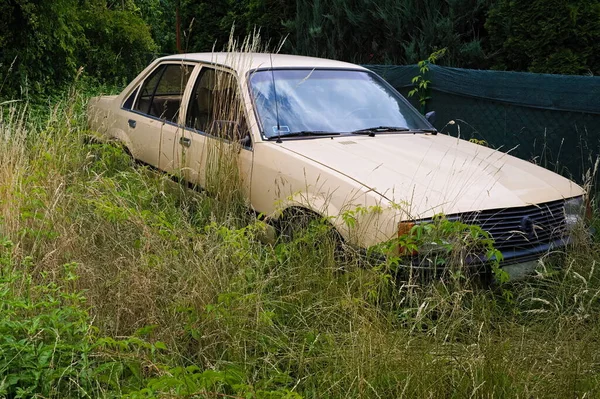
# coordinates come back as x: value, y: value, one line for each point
x: 520, y: 228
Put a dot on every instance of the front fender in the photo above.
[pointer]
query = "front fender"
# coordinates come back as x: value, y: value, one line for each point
x: 362, y: 225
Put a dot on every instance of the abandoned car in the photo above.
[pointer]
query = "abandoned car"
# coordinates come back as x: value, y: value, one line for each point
x: 330, y: 137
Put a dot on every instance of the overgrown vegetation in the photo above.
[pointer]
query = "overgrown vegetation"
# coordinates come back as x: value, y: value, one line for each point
x: 118, y: 281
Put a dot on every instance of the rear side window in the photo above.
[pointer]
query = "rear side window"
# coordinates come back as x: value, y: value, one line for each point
x: 162, y: 91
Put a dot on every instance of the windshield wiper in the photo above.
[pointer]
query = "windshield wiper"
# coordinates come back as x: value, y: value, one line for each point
x: 380, y: 129
x: 385, y: 129
x: 304, y: 133
x: 432, y: 131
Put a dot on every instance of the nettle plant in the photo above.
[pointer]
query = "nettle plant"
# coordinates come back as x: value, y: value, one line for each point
x: 443, y: 247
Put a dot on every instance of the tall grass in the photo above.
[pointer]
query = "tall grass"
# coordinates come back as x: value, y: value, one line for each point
x: 195, y: 305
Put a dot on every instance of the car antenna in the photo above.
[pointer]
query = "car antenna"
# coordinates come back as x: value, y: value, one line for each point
x: 276, y: 101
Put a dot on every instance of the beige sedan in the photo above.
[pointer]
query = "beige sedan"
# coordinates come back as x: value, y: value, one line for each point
x: 332, y: 138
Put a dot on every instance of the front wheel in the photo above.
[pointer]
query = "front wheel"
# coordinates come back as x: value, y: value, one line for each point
x: 310, y: 234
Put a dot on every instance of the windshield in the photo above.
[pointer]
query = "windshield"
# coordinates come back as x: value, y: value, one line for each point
x: 328, y: 101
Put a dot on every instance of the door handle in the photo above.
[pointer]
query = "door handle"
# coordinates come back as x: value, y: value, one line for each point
x: 184, y: 141
x: 131, y: 123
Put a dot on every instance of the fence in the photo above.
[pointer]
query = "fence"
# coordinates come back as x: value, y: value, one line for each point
x: 553, y: 120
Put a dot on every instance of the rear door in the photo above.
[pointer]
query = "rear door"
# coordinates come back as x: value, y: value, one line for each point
x: 155, y: 118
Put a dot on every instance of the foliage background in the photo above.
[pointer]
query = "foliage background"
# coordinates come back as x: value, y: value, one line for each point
x: 44, y: 43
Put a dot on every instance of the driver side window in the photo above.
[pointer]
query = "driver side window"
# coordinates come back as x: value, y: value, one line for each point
x: 215, y: 106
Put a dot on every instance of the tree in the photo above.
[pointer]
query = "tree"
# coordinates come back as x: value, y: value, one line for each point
x: 39, y: 39
x: 160, y: 16
x: 390, y: 31
x: 207, y: 23
x: 44, y: 43
x: 117, y: 43
x: 546, y: 36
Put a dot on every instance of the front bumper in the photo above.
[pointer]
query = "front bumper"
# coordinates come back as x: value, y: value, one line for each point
x: 518, y: 263
x: 530, y: 254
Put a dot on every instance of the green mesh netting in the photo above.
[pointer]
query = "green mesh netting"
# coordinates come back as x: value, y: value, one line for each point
x: 553, y: 120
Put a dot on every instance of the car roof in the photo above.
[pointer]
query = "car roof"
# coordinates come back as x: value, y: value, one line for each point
x: 243, y: 62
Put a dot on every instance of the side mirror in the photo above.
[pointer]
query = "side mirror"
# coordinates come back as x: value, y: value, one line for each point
x: 246, y: 142
x: 231, y: 131
x: 430, y: 116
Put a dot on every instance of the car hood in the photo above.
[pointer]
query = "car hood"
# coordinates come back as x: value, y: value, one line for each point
x: 427, y: 174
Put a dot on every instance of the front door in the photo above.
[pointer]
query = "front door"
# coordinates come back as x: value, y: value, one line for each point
x: 216, y: 143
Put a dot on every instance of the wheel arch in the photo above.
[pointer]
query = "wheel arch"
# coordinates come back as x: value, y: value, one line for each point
x: 315, y: 207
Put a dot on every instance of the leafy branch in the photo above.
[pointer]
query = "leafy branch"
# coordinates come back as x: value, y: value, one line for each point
x: 421, y: 83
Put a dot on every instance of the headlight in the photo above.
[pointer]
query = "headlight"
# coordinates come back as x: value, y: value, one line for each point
x: 573, y: 211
